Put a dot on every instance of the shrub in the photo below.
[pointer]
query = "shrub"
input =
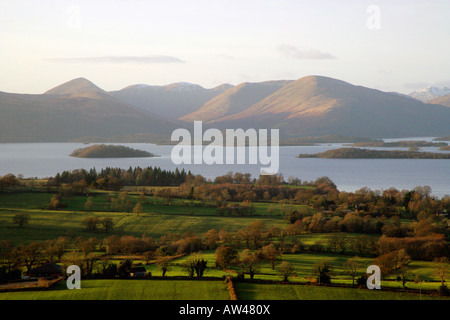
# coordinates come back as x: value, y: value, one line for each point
x: 444, y: 291
x: 362, y: 281
x: 240, y: 276
x: 323, y: 272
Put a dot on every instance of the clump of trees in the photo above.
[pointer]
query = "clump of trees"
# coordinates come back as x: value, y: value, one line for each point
x: 323, y: 271
x: 196, y: 266
x: 115, y: 179
x: 8, y: 181
x: 95, y: 224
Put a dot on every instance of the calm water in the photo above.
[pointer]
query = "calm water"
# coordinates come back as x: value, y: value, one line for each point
x: 46, y: 159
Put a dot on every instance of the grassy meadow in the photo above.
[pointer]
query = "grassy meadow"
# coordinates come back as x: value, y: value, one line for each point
x: 157, y: 219
x: 129, y: 290
x: 204, y: 290
x: 254, y: 291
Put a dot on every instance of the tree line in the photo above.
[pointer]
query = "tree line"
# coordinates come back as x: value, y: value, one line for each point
x: 114, y: 179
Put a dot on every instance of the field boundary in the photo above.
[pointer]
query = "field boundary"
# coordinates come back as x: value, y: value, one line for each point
x: 231, y: 288
x: 41, y: 284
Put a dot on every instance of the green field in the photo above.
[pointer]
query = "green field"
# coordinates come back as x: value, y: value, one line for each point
x: 303, y: 267
x: 157, y: 220
x: 129, y: 290
x: 252, y: 291
x: 40, y: 201
x: 203, y: 290
x: 52, y: 224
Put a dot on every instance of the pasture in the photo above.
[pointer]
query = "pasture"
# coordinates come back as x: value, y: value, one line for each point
x: 157, y: 219
x: 253, y: 291
x: 129, y: 290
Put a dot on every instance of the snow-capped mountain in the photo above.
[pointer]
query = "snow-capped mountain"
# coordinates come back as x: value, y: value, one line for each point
x: 430, y: 93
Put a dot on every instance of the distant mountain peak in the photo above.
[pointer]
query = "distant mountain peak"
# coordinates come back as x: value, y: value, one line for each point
x: 141, y: 85
x: 429, y: 93
x: 184, y: 86
x: 79, y: 87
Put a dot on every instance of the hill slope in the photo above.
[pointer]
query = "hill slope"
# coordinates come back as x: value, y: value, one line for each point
x: 316, y: 105
x: 73, y: 110
x: 235, y: 100
x: 173, y: 101
x: 444, y: 100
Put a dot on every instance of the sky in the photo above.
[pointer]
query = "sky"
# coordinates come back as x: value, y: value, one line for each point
x: 386, y: 44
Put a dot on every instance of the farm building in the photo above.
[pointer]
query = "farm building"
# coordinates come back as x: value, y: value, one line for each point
x: 138, y: 272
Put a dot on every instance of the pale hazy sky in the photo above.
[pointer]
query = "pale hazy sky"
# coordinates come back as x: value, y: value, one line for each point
x: 209, y: 42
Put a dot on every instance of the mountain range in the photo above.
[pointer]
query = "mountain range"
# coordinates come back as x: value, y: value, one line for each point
x: 316, y: 105
x: 309, y: 106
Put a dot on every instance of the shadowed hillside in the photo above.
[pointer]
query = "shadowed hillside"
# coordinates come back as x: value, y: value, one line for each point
x: 172, y: 101
x: 73, y: 110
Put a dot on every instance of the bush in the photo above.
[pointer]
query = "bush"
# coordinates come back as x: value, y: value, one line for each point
x: 6, y: 276
x: 444, y: 291
x: 240, y: 276
x: 323, y: 271
x: 316, y: 248
x: 362, y: 281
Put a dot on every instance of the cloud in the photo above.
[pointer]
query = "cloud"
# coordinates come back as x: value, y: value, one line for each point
x: 385, y: 72
x: 441, y: 84
x: 308, y: 54
x: 226, y: 56
x: 119, y: 59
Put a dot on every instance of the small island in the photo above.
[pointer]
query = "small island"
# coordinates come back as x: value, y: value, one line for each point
x: 110, y: 151
x: 446, y: 138
x: 446, y: 148
x: 399, y: 144
x: 356, y: 153
x: 314, y: 141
